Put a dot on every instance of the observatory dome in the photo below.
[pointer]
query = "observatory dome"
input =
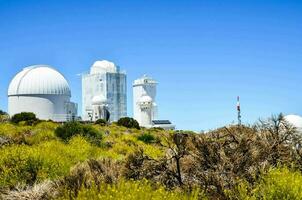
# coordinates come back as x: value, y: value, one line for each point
x: 99, y: 99
x: 103, y: 67
x: 39, y: 79
x: 295, y: 120
x: 42, y: 90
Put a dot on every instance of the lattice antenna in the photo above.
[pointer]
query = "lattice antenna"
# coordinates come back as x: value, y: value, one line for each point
x: 239, y: 110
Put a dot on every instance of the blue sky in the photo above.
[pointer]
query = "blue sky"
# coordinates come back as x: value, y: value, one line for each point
x: 202, y: 53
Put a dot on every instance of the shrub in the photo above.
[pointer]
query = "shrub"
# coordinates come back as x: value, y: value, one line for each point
x: 128, y: 123
x: 2, y: 112
x: 92, y: 172
x: 92, y: 134
x: 146, y: 138
x: 27, y: 117
x: 70, y: 129
x: 101, y: 122
x: 4, y: 118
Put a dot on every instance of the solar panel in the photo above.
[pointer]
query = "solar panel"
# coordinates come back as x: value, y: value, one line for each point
x: 156, y: 122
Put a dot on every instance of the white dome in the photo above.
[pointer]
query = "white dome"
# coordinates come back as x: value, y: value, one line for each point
x: 99, y: 99
x: 39, y: 79
x: 103, y: 67
x: 294, y: 120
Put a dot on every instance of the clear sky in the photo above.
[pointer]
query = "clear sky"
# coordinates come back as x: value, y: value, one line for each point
x: 202, y: 53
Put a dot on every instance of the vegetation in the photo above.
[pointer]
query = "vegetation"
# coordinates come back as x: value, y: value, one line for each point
x: 134, y: 190
x: 101, y: 122
x: 128, y: 123
x: 4, y: 117
x: 27, y: 117
x: 47, y: 160
x: 70, y: 129
x: 2, y: 112
x: 278, y: 183
x: 146, y: 138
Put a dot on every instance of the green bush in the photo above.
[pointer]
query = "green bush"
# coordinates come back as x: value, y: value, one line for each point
x: 27, y: 117
x: 70, y: 129
x: 2, y: 112
x: 92, y: 135
x: 101, y: 122
x: 128, y: 123
x: 146, y: 138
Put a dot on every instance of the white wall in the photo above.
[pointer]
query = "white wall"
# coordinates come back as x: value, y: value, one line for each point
x: 54, y: 107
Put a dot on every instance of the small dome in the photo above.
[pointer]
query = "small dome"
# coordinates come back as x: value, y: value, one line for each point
x: 39, y: 79
x: 103, y: 67
x: 145, y: 99
x: 295, y: 120
x: 98, y: 100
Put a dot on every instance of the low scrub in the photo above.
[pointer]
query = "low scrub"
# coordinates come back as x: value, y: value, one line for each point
x: 70, y: 129
x: 146, y: 138
x: 278, y: 183
x: 234, y: 162
x: 134, y: 190
x: 26, y: 165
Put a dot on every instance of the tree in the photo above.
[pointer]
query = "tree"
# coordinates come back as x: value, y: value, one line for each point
x: 280, y: 136
x: 177, y: 149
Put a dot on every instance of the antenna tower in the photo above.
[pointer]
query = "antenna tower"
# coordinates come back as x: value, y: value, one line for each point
x: 239, y: 110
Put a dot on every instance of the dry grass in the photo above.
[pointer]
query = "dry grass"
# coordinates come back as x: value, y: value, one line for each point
x: 42, y: 191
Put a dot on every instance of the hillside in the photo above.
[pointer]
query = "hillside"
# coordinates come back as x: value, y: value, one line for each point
x: 41, y: 160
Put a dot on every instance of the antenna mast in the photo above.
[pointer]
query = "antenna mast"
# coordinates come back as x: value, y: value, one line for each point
x: 239, y: 110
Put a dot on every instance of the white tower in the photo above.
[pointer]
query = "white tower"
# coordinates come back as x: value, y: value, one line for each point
x: 104, y: 80
x: 144, y: 106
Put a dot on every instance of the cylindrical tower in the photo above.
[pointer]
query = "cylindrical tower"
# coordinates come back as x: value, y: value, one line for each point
x: 146, y: 109
x: 144, y: 86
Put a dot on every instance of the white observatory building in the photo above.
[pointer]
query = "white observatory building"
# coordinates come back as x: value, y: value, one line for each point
x: 144, y: 104
x: 104, y: 92
x: 42, y: 90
